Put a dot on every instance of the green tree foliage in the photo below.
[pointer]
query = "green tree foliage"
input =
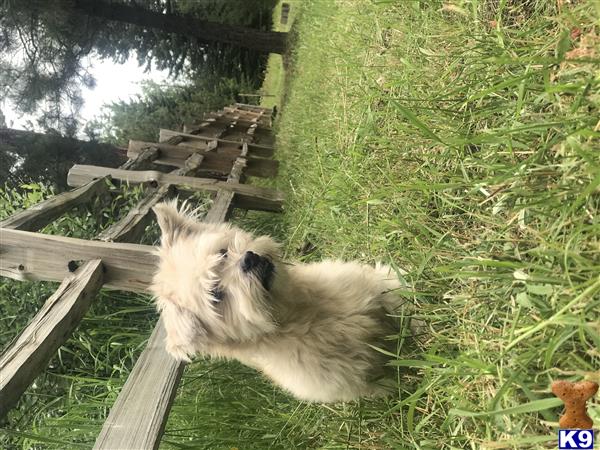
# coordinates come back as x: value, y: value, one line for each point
x: 27, y: 157
x: 45, y: 47
x: 162, y: 106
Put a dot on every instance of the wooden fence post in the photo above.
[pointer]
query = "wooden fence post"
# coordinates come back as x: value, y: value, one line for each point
x: 139, y: 415
x: 28, y: 355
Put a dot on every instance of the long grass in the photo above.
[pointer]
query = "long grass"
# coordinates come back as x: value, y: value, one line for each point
x: 66, y: 405
x: 459, y: 142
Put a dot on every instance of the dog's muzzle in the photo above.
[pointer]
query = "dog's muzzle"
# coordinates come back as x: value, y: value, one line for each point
x: 260, y: 266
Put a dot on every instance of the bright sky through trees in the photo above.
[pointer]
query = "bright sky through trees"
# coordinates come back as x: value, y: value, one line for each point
x: 113, y: 82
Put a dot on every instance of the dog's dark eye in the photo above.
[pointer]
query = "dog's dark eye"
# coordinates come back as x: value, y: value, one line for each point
x: 223, y: 252
x: 217, y: 295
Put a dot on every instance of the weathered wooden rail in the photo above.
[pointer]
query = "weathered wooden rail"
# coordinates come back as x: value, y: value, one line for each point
x: 248, y: 197
x: 213, y: 156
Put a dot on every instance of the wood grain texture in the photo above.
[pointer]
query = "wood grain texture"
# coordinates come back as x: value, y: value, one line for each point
x: 255, y: 149
x: 211, y: 127
x: 177, y: 151
x: 224, y: 201
x: 143, y: 159
x: 173, y: 140
x: 206, y: 122
x: 247, y: 196
x: 41, y: 214
x: 244, y: 110
x: 131, y: 227
x: 34, y: 256
x: 138, y: 418
x: 255, y: 108
x: 191, y: 164
x: 221, y: 208
x: 139, y: 415
x: 27, y: 356
x: 216, y: 163
x: 224, y: 119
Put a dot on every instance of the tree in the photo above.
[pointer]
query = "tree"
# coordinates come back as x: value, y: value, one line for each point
x: 45, y: 44
x: 161, y: 106
x: 26, y: 156
x: 204, y: 31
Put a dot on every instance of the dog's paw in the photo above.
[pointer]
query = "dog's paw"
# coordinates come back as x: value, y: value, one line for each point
x: 179, y: 352
x: 182, y: 327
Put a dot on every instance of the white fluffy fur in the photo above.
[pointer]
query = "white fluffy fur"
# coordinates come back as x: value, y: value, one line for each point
x: 312, y: 332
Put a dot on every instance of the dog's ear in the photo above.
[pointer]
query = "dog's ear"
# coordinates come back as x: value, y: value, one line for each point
x: 173, y: 223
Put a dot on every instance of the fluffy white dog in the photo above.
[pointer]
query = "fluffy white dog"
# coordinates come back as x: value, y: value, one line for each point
x: 311, y: 328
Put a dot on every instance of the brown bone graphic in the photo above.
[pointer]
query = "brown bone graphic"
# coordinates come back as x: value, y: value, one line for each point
x: 575, y: 395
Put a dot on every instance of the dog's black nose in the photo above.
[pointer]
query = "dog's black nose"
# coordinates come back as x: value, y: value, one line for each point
x: 250, y: 261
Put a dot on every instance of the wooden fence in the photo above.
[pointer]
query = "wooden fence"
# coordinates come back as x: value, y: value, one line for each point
x: 214, y: 156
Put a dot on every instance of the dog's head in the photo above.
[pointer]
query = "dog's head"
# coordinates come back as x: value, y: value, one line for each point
x: 213, y: 282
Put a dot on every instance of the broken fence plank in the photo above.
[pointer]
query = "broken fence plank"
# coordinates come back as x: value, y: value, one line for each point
x: 29, y: 353
x: 41, y: 214
x: 34, y: 256
x: 247, y: 196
